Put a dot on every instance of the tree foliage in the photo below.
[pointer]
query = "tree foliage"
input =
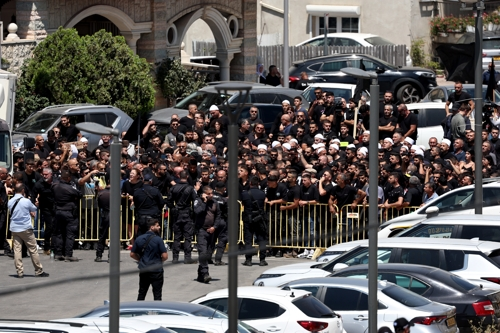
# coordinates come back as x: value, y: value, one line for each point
x: 99, y: 69
x: 177, y: 82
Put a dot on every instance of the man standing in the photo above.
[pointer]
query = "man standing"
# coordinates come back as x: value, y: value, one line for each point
x: 3, y: 213
x: 21, y: 210
x: 188, y: 121
x: 68, y: 131
x: 274, y: 77
x: 458, y: 98
x: 43, y: 194
x: 387, y: 123
x: 66, y: 199
x: 220, y: 234
x: 458, y: 124
x: 40, y: 148
x: 407, y: 122
x: 148, y: 203
x: 395, y: 197
x: 103, y: 202
x: 150, y: 252
x: 208, y: 220
x: 180, y: 202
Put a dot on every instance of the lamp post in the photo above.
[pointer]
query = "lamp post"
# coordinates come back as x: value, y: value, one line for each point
x: 286, y: 49
x: 114, y: 219
x: 233, y: 192
x: 373, y: 194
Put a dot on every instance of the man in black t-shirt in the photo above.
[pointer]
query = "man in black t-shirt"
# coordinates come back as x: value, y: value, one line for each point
x: 395, y: 197
x: 407, y: 122
x: 458, y: 98
x: 292, y: 203
x: 68, y: 131
x: 274, y: 77
x: 387, y: 123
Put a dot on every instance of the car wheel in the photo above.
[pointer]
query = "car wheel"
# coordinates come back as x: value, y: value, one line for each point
x: 408, y: 94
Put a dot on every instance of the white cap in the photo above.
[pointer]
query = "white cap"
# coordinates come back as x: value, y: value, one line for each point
x: 351, y: 145
x: 275, y: 143
x: 286, y: 102
x: 446, y: 141
x: 414, y: 147
x: 83, y: 139
x: 419, y: 152
x: 366, y: 132
x: 287, y: 146
x: 320, y: 150
x: 410, y: 141
x: 319, y: 136
x: 334, y: 146
x: 364, y: 150
x: 336, y: 140
x: 259, y: 147
x: 403, y: 147
x: 213, y: 108
x: 390, y: 140
x: 294, y: 140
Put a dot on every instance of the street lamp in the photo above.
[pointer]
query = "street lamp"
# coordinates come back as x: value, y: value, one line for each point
x: 373, y: 193
x: 233, y: 192
x: 114, y: 218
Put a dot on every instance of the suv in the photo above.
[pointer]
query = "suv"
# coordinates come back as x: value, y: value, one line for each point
x: 409, y: 84
x: 491, y: 46
x: 40, y: 122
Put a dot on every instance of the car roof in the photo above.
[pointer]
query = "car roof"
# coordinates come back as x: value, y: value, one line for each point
x: 177, y: 305
x: 467, y: 219
x: 344, y: 281
x: 255, y: 86
x: 261, y: 291
x: 66, y: 108
x: 173, y: 319
x: 335, y: 56
x: 331, y: 85
x: 26, y: 325
x: 415, y: 268
x: 132, y: 323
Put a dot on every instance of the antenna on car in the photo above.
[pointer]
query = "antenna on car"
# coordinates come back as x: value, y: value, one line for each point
x: 292, y: 295
x: 97, y: 326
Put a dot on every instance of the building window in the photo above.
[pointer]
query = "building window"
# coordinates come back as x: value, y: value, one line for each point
x: 332, y: 25
x: 350, y: 24
x: 337, y: 24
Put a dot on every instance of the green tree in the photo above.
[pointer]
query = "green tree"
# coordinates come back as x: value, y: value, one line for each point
x: 99, y: 69
x: 177, y: 82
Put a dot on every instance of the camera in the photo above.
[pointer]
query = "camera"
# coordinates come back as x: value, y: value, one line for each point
x: 488, y: 109
x: 101, y: 174
x: 338, y: 106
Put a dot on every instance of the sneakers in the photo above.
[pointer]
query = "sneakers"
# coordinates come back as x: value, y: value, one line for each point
x: 304, y: 254
x: 292, y: 254
x: 20, y: 276
x: 59, y: 257
x: 189, y: 261
x: 46, y: 252
x: 278, y: 254
x: 43, y: 274
x: 311, y: 254
x: 71, y: 259
x: 210, y: 262
x: 204, y: 278
x: 220, y: 263
x: 98, y: 259
x: 263, y: 263
x: 247, y: 263
x: 175, y: 260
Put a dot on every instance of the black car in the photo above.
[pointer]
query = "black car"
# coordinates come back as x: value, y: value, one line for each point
x: 409, y: 84
x: 472, y: 302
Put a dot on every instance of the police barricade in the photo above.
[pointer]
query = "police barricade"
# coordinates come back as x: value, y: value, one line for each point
x: 305, y: 227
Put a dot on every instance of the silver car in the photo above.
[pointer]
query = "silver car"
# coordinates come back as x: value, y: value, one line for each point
x: 349, y: 298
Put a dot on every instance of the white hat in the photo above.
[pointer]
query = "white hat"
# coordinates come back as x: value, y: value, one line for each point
x: 320, y: 150
x: 390, y: 140
x: 366, y: 132
x: 334, y: 146
x: 259, y: 147
x: 336, y: 140
x: 410, y: 141
x: 446, y: 141
x: 275, y: 143
x: 351, y: 145
x: 419, y: 152
x: 213, y: 108
x: 286, y: 102
x: 414, y: 147
x: 319, y: 136
x: 364, y: 150
x: 287, y: 146
x: 294, y: 140
x: 315, y: 146
x: 84, y: 140
x: 403, y: 147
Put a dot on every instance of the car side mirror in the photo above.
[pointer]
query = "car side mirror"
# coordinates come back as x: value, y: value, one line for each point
x: 340, y: 266
x: 380, y: 70
x: 432, y: 211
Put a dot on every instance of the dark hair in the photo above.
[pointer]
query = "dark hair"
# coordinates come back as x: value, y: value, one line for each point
x: 254, y: 181
x: 298, y: 97
x: 152, y: 222
x: 183, y: 174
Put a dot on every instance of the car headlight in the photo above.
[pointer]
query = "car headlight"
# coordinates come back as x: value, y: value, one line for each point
x: 268, y: 276
x: 426, y: 74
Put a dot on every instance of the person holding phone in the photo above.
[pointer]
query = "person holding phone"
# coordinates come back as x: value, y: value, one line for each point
x: 274, y: 77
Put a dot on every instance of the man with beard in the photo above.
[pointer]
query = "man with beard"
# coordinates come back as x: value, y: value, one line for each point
x: 344, y: 134
x: 457, y: 98
x: 387, y: 123
x: 68, y: 131
x: 301, y: 122
x: 395, y: 197
x: 188, y: 120
x: 388, y: 101
x: 275, y: 196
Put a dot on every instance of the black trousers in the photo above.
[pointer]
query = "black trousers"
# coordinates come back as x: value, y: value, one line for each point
x: 220, y: 242
x: 183, y: 228
x: 3, y: 231
x: 249, y: 230
x: 205, y: 243
x: 155, y: 279
x: 103, y: 232
x: 65, y: 231
x: 47, y: 216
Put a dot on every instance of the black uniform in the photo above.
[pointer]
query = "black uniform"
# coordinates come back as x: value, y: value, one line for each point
x: 66, y: 199
x: 207, y: 215
x: 43, y: 191
x: 3, y: 218
x: 70, y: 132
x: 220, y: 235
x: 103, y: 202
x: 180, y: 202
x: 278, y: 193
x: 148, y: 203
x: 258, y: 225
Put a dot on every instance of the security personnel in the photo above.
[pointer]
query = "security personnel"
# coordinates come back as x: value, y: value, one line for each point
x: 148, y: 203
x: 220, y: 236
x: 103, y: 202
x: 180, y: 202
x: 208, y: 220
x: 275, y: 196
x: 43, y: 193
x: 66, y: 199
x: 258, y: 224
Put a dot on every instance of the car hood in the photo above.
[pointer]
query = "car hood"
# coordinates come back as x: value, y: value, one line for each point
x: 163, y: 116
x: 413, y: 69
x: 296, y: 268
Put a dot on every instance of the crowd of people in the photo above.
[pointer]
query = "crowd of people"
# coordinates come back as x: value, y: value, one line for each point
x: 310, y: 160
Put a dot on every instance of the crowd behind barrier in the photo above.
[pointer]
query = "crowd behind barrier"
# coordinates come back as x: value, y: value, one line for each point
x: 309, y: 226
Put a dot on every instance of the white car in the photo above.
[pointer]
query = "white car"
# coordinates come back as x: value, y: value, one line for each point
x: 349, y: 298
x: 351, y: 39
x: 430, y: 115
x: 30, y: 326
x: 457, y: 202
x: 275, y: 310
x: 474, y: 260
x: 127, y: 325
x: 194, y: 324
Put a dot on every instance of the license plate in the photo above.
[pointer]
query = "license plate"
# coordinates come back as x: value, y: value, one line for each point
x: 496, y: 58
x: 451, y: 322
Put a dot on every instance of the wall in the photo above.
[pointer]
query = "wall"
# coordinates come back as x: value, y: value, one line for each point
x: 199, y: 31
x: 16, y: 53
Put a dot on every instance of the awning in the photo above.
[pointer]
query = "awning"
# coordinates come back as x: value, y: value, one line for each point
x: 337, y: 11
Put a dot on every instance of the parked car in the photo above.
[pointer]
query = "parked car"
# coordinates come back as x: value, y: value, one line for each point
x: 474, y: 304
x: 343, y: 90
x: 460, y: 201
x: 441, y: 93
x: 474, y: 260
x: 275, y: 310
x: 195, y: 324
x: 430, y: 115
x: 409, y: 84
x: 491, y: 46
x: 127, y: 325
x: 40, y: 122
x: 141, y: 308
x: 349, y: 298
x: 30, y: 326
x: 351, y: 39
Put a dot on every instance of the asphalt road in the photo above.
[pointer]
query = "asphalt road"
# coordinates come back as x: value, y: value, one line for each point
x: 75, y: 287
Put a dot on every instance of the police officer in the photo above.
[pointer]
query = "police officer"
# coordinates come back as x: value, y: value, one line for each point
x: 148, y: 203
x: 220, y: 236
x: 275, y: 196
x: 180, y: 202
x: 258, y: 224
x: 208, y: 220
x: 103, y: 202
x: 43, y: 193
x: 66, y: 198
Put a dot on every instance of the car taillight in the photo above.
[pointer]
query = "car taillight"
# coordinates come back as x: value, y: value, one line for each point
x: 313, y: 326
x: 484, y: 55
x: 492, y: 279
x: 294, y: 78
x: 428, y: 320
x: 483, y: 308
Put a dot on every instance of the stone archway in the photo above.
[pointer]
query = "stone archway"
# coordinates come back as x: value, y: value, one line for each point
x: 128, y: 28
x: 225, y: 31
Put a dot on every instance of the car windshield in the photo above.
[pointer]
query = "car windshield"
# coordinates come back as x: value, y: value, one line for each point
x: 491, y: 44
x: 40, y: 122
x: 471, y: 92
x: 378, y: 41
x: 428, y: 231
x: 345, y: 93
x: 405, y: 297
x: 202, y: 99
x: 312, y: 307
x: 209, y: 312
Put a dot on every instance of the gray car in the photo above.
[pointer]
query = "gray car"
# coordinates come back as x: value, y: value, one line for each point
x: 441, y: 93
x: 40, y: 122
x: 349, y: 298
